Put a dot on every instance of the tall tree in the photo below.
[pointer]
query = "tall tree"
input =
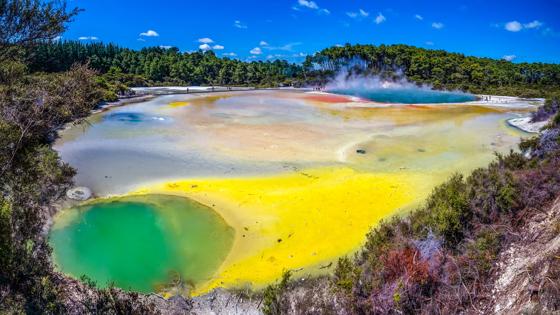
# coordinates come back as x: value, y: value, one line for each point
x: 28, y: 22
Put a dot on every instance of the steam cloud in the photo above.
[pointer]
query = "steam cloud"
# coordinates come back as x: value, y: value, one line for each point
x: 346, y: 80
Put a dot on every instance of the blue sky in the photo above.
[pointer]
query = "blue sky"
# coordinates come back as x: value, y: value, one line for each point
x: 290, y: 29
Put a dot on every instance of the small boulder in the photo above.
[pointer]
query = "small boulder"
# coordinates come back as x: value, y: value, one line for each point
x: 361, y: 151
x: 79, y: 193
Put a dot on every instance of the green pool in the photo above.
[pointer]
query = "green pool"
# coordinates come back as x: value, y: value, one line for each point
x: 141, y: 243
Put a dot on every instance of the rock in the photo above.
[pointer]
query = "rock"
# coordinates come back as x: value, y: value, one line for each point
x: 361, y: 151
x: 79, y: 193
x: 526, y: 125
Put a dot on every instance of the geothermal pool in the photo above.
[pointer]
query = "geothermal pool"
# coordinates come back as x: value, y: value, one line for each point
x: 141, y: 242
x: 230, y: 189
x: 407, y: 95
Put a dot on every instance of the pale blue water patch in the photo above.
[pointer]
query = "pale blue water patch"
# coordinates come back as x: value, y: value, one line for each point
x: 407, y: 95
x: 133, y: 117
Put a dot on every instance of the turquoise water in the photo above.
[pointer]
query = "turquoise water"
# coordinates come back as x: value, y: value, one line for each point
x: 408, y: 95
x: 141, y: 243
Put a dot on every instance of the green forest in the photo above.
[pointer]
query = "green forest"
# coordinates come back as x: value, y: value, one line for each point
x: 121, y: 67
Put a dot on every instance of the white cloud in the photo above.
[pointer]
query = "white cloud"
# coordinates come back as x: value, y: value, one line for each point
x: 534, y: 24
x: 509, y: 57
x: 57, y: 38
x: 360, y: 14
x: 238, y: 24
x: 418, y: 17
x: 437, y: 25
x: 380, y: 18
x: 229, y: 54
x: 308, y: 4
x: 205, y: 40
x: 88, y: 38
x: 263, y: 43
x: 256, y: 51
x: 430, y: 43
x: 516, y: 26
x: 513, y: 26
x: 140, y: 39
x: 165, y: 46
x: 339, y: 45
x: 150, y: 33
x: 204, y: 47
x: 312, y: 5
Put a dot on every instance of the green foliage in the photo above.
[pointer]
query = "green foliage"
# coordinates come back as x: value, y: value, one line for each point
x: 511, y: 161
x: 446, y: 212
x: 344, y: 274
x: 377, y: 240
x: 161, y: 66
x: 556, y: 120
x: 528, y: 144
x: 272, y: 295
x: 492, y: 192
x: 6, y: 249
x: 88, y: 281
x: 484, y: 249
x: 25, y: 23
x: 11, y: 71
x: 33, y: 176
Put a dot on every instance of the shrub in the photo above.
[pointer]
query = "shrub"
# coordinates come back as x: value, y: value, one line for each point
x: 549, y: 109
x: 344, y: 274
x: 556, y: 120
x: 446, y: 212
x: 483, y: 250
x: 540, y: 185
x: 492, y: 192
x: 272, y: 295
x: 5, y: 236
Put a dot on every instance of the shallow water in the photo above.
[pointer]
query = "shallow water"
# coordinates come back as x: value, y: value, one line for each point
x: 141, y: 243
x: 300, y: 177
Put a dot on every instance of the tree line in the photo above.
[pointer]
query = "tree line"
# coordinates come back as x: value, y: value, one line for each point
x: 441, y: 69
x: 162, y: 65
